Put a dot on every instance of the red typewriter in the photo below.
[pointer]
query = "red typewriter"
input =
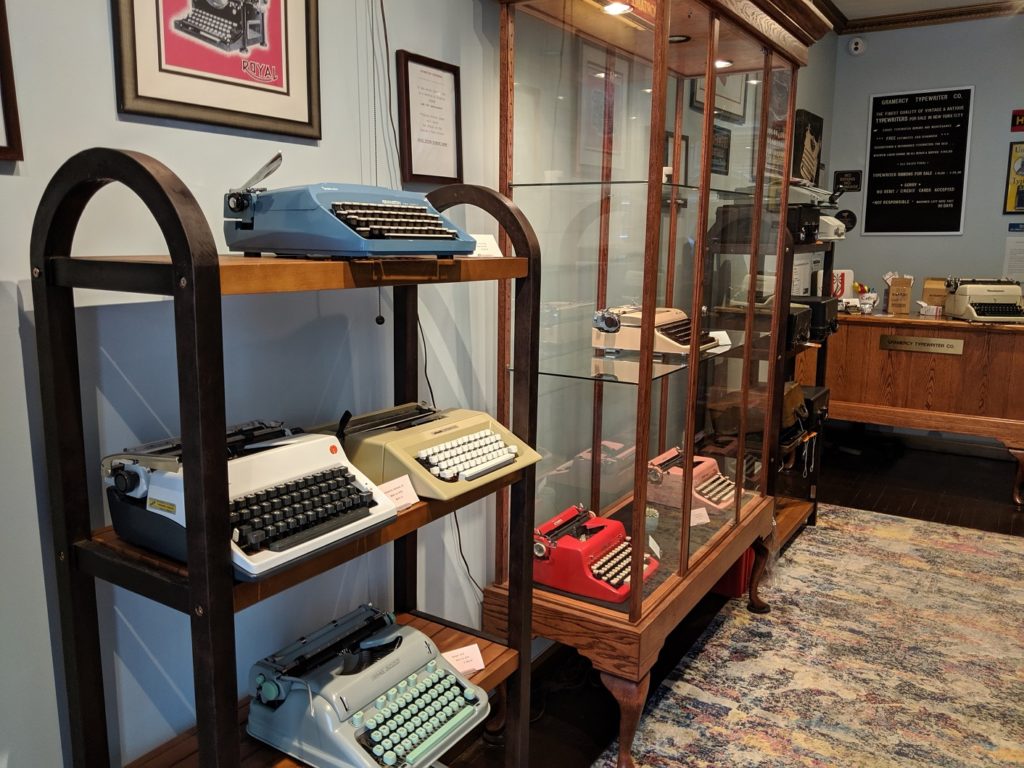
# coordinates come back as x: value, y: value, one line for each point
x: 711, y: 489
x: 577, y: 552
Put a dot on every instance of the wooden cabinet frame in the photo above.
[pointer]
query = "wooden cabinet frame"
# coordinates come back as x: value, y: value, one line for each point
x: 624, y: 646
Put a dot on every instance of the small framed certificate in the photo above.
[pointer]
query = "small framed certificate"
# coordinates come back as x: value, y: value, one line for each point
x: 430, y: 119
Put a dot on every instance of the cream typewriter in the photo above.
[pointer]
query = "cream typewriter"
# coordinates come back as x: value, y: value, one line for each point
x: 362, y: 692
x: 993, y: 300
x: 445, y: 453
x: 617, y: 330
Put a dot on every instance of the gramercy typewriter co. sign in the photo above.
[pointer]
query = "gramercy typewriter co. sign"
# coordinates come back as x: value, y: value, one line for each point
x: 936, y: 346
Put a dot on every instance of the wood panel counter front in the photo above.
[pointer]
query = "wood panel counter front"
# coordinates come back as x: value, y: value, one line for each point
x: 883, y: 370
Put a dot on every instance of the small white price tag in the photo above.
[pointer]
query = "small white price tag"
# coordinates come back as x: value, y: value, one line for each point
x: 486, y: 246
x: 653, y: 546
x: 400, y: 491
x: 467, y: 660
x: 699, y: 516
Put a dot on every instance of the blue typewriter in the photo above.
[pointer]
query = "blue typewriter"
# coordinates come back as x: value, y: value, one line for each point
x: 337, y: 221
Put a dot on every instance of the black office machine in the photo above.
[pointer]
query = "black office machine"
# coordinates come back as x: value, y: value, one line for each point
x: 798, y: 325
x: 336, y: 221
x: 824, y: 315
x: 230, y: 25
x: 291, y: 495
x: 362, y: 692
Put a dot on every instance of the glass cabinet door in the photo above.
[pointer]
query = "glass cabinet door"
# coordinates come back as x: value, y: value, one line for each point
x: 636, y: 182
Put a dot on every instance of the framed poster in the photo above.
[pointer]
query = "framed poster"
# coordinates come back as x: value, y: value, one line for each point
x: 429, y: 119
x: 808, y: 130
x: 730, y: 97
x: 601, y: 113
x: 1014, y: 200
x: 721, y: 145
x: 251, y: 64
x: 10, y: 127
x: 918, y: 147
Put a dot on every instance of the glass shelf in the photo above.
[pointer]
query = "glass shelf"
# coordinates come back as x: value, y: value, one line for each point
x: 587, y: 364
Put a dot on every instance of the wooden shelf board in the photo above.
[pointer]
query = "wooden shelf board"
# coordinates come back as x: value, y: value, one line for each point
x: 181, y: 751
x: 269, y: 274
x: 790, y: 514
x: 133, y: 559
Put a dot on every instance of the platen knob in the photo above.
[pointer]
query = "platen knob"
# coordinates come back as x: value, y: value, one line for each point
x: 124, y: 480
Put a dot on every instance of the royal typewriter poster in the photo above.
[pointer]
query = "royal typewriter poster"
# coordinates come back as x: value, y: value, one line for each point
x: 243, y: 63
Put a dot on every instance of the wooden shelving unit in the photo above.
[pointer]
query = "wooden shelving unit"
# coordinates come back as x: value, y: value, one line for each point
x: 204, y: 587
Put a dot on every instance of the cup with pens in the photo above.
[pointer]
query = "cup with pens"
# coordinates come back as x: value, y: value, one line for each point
x: 866, y: 298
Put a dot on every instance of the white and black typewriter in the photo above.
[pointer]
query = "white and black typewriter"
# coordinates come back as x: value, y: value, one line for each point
x: 362, y: 691
x: 989, y: 300
x: 337, y: 221
x: 291, y: 495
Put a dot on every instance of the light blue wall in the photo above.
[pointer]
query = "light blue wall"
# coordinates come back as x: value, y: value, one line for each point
x: 814, y: 91
x: 303, y: 357
x: 987, y: 54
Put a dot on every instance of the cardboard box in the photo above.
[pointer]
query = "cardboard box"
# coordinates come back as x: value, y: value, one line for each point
x: 933, y: 291
x: 899, y: 295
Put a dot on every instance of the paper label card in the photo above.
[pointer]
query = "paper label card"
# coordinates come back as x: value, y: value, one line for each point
x: 699, y: 516
x: 400, y: 491
x: 466, y: 660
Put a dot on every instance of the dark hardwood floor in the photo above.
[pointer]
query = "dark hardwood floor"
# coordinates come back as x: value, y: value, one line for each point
x: 575, y: 718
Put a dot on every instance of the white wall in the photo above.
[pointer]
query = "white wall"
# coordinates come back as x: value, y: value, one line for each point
x: 986, y: 54
x: 302, y: 357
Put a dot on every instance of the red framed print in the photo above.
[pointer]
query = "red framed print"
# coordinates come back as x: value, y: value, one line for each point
x: 10, y: 128
x: 251, y: 64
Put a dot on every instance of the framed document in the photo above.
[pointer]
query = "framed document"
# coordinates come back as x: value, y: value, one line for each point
x: 429, y: 119
x: 251, y: 64
x: 10, y: 129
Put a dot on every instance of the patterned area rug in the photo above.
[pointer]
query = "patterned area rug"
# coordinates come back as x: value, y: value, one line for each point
x: 890, y: 642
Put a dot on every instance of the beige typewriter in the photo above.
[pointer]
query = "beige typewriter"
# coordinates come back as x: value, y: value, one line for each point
x: 986, y: 300
x: 617, y: 330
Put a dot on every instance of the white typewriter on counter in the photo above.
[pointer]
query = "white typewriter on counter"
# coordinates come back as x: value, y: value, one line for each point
x: 986, y: 300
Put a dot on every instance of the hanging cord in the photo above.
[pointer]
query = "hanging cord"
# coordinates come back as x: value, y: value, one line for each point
x: 387, y: 69
x: 462, y: 553
x: 373, y: 100
x: 426, y: 376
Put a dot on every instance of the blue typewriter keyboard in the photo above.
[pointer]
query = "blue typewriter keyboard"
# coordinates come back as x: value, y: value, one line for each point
x: 381, y: 221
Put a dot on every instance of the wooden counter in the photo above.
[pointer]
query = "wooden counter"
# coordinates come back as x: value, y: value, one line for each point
x: 974, y: 392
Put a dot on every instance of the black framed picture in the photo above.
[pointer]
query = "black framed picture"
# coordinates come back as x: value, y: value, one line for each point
x: 808, y: 130
x: 730, y: 97
x: 253, y: 64
x: 10, y: 126
x: 429, y: 119
x: 721, y: 145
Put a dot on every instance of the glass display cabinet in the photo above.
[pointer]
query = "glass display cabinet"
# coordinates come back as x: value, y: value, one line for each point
x: 649, y: 144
